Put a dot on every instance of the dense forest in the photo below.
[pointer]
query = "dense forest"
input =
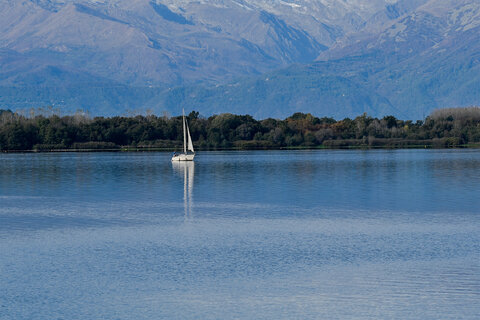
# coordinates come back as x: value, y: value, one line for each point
x: 43, y: 131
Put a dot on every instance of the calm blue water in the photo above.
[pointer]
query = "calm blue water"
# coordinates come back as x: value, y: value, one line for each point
x: 241, y: 235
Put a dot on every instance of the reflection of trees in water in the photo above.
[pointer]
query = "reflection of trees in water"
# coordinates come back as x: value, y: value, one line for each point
x: 187, y: 169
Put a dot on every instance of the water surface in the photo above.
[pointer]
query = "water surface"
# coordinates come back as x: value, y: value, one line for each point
x: 241, y: 235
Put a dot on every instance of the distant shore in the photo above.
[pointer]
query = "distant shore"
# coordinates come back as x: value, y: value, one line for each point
x: 444, y: 128
x: 431, y: 145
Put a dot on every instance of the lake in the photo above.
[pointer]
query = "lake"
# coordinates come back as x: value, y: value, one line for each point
x: 324, y: 234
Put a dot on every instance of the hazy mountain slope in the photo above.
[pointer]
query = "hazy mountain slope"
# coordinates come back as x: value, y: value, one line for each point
x: 422, y: 61
x: 323, y: 89
x: 428, y: 59
x: 325, y: 20
x: 141, y: 42
x: 132, y: 45
x: 400, y: 57
x: 445, y: 74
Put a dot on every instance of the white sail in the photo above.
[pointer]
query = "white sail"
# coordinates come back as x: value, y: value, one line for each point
x: 190, y: 144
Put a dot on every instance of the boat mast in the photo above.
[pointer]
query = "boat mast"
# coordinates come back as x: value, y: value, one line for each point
x: 184, y: 133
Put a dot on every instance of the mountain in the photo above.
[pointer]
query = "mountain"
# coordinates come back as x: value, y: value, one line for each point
x: 144, y: 42
x: 420, y: 61
x: 83, y: 54
x: 424, y: 60
x: 264, y: 57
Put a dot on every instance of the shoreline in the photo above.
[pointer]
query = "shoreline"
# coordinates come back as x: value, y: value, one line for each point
x: 322, y: 147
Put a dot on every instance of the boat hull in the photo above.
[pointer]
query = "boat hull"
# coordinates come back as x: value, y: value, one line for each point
x: 183, y: 157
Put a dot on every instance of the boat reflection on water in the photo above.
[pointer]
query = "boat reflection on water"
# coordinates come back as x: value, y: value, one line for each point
x: 187, y: 169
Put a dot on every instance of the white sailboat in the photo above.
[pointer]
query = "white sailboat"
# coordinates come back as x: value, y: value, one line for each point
x: 187, y: 144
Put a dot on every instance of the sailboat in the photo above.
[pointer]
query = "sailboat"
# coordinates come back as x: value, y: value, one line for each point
x: 187, y: 144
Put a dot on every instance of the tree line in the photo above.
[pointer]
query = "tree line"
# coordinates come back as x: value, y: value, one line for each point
x: 443, y: 128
